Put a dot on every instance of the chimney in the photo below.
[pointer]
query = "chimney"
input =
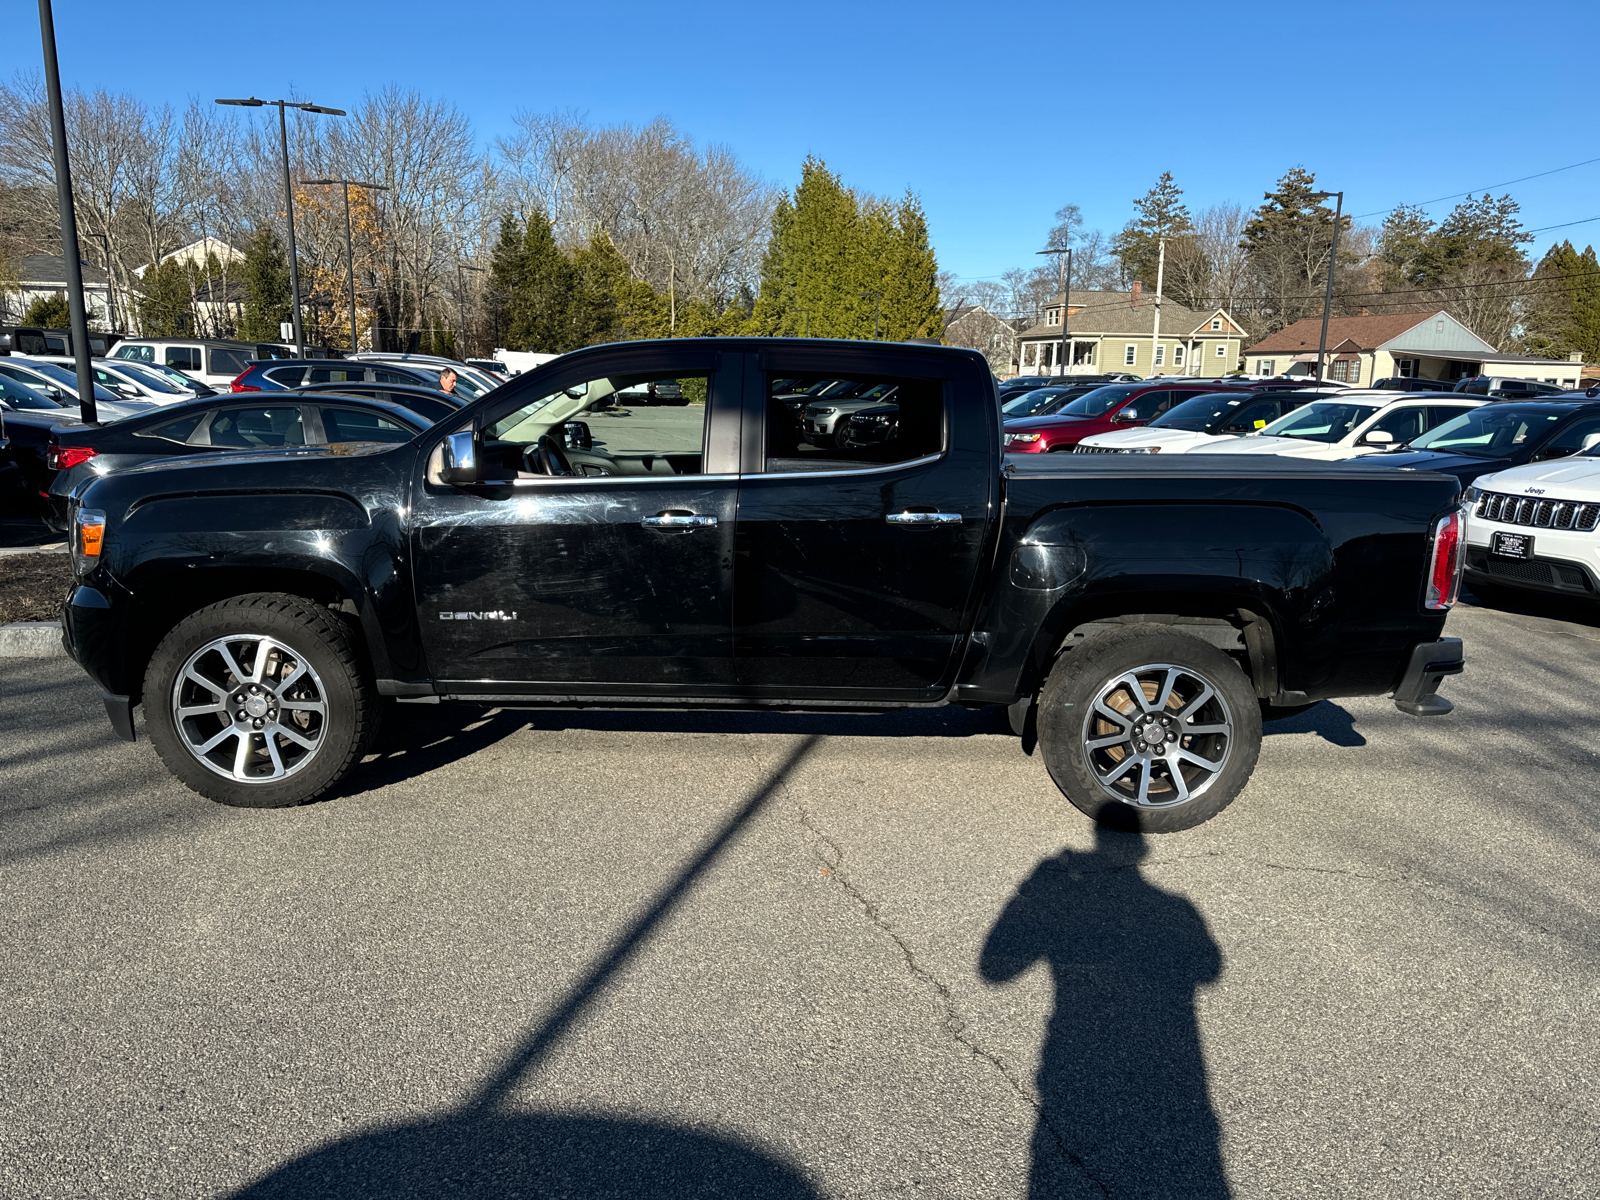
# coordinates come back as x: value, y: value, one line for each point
x: 1137, y: 289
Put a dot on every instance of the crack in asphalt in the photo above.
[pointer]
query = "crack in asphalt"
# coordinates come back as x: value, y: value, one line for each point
x: 830, y: 854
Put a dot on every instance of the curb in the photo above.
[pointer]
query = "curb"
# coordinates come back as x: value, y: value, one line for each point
x: 31, y: 639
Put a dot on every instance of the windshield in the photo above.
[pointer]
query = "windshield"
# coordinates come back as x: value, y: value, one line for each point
x: 1100, y: 401
x: 1198, y: 413
x: 151, y: 380
x: 20, y: 396
x: 69, y: 380
x: 1494, y: 431
x: 1325, y: 421
x: 1031, y: 404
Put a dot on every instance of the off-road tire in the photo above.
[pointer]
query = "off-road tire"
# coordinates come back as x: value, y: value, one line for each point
x: 350, y: 721
x: 1081, y: 676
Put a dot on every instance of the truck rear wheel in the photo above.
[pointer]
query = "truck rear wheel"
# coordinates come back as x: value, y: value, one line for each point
x: 1146, y: 724
x: 258, y: 701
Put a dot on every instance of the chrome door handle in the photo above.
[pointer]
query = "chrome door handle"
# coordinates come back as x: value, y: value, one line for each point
x: 677, y: 521
x: 923, y: 518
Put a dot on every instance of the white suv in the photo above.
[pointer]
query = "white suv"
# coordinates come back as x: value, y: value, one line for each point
x: 1538, y: 526
x: 1353, y: 424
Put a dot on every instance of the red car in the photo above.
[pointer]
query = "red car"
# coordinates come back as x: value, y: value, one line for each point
x: 1115, y: 406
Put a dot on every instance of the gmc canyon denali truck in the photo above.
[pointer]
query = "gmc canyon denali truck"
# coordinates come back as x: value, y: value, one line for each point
x: 1139, y: 616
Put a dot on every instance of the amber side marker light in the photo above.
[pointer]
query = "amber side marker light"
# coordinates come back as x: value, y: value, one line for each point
x: 91, y: 532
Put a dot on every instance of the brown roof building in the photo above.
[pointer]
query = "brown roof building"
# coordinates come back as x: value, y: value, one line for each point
x: 1428, y: 345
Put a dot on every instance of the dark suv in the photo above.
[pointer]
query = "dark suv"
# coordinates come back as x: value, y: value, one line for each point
x: 279, y: 375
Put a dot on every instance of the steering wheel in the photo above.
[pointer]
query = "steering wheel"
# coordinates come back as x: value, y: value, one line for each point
x: 546, y: 457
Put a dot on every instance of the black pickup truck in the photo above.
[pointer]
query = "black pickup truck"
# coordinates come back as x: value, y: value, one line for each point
x: 545, y: 547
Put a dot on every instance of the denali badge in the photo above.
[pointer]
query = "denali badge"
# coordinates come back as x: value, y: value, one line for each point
x: 496, y: 615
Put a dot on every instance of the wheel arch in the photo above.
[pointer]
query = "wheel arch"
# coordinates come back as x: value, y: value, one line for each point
x: 165, y: 597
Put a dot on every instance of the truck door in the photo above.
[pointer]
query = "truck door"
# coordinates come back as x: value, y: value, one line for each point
x: 857, y: 561
x: 615, y: 578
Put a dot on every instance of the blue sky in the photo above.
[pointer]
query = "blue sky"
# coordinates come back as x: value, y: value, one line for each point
x: 994, y: 116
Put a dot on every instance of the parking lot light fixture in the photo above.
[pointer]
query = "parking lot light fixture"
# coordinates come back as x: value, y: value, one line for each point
x: 1333, y: 258
x: 349, y: 246
x: 288, y: 198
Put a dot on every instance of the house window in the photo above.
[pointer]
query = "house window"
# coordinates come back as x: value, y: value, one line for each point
x: 1129, y: 353
x: 1052, y: 316
x: 1264, y: 366
x: 1340, y: 370
x: 1216, y: 323
x: 1405, y: 368
x: 1177, y: 355
x: 1222, y: 349
x: 1161, y: 356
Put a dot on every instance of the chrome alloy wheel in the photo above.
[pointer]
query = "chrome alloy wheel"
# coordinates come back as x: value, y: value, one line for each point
x: 1157, y: 736
x: 250, y: 708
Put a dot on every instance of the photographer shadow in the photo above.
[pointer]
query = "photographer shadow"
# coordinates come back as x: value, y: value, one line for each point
x: 1124, y: 1105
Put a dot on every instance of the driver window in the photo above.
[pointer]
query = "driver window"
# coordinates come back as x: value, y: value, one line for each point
x: 648, y: 424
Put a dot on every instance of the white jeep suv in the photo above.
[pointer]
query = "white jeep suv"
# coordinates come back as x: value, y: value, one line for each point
x: 1538, y: 526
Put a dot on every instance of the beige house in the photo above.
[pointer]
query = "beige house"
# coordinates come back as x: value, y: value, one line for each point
x: 1416, y: 345
x: 974, y: 326
x: 1115, y: 331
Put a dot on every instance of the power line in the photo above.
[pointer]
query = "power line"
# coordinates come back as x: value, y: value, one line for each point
x: 1563, y: 225
x: 1489, y: 188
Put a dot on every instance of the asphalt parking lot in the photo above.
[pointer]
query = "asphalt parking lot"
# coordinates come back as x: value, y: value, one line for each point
x: 622, y: 954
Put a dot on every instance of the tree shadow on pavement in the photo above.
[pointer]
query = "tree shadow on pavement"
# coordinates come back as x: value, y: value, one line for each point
x: 1327, y: 720
x: 1124, y: 1107
x: 488, y: 1148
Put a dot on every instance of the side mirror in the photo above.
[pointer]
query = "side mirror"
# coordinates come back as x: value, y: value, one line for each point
x: 460, y: 458
x: 1378, y: 437
x: 1590, y: 441
x: 577, y: 436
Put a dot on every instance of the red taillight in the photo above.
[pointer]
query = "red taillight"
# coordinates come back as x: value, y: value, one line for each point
x: 64, y: 458
x: 237, y: 386
x: 1444, y: 571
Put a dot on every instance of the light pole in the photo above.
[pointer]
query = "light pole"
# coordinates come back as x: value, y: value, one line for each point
x: 349, y: 246
x: 288, y: 197
x: 1333, y: 257
x: 79, y: 317
x: 877, y: 307
x: 1066, y: 301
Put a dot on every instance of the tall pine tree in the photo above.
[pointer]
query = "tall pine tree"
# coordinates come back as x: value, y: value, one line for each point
x: 1162, y: 214
x: 841, y: 265
x: 265, y: 274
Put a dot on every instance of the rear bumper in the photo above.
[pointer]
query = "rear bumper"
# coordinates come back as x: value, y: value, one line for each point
x: 1430, y: 663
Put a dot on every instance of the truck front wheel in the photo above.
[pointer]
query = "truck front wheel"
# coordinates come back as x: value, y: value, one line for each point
x: 258, y: 701
x: 1150, y: 725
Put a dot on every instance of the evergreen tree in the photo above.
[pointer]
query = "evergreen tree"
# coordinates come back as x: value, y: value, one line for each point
x: 533, y: 282
x: 1585, y: 292
x: 1162, y: 214
x: 912, y: 306
x: 166, y: 308
x: 265, y: 275
x: 48, y: 312
x: 1402, y: 245
x: 838, y: 264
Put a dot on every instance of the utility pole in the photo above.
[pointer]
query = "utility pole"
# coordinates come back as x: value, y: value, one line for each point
x: 1161, y: 274
x: 288, y: 198
x: 461, y: 283
x: 1066, y: 303
x: 349, y: 246
x: 1333, y: 258
x: 69, y: 219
